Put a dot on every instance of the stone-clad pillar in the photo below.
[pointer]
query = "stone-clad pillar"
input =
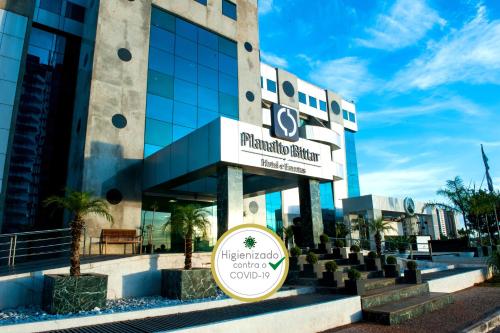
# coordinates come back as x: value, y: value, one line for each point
x: 310, y: 212
x: 229, y: 198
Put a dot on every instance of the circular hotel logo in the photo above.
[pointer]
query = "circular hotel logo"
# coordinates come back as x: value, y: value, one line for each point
x: 250, y: 262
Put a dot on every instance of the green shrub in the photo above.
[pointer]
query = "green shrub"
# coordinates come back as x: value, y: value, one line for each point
x: 295, y: 251
x: 331, y: 266
x: 372, y: 255
x: 494, y: 262
x: 411, y: 265
x: 353, y: 274
x: 312, y: 258
x: 355, y: 248
x: 339, y: 243
x: 324, y: 238
x: 391, y: 260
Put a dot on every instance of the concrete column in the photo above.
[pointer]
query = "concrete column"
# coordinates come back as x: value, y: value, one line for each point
x: 310, y: 212
x: 229, y: 198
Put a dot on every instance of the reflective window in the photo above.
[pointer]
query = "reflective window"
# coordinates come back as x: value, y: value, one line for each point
x: 271, y: 85
x: 353, y: 189
x: 203, y: 2
x: 75, y: 12
x: 192, y: 79
x: 53, y: 6
x: 229, y: 9
x: 312, y: 102
x: 274, y: 220
x: 322, y: 105
x: 345, y: 115
x: 352, y: 117
x: 302, y: 98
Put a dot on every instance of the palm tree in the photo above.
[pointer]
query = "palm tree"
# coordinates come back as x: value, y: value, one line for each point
x: 189, y: 219
x: 378, y: 227
x: 79, y: 204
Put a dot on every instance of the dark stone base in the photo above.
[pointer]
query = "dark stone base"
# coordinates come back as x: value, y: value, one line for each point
x: 391, y: 271
x: 333, y: 279
x: 65, y: 294
x: 294, y: 264
x: 355, y: 287
x: 187, y: 284
x: 308, y: 271
x: 373, y: 264
x: 356, y: 258
x: 413, y: 276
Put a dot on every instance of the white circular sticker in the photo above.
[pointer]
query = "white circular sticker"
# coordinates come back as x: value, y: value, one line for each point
x: 250, y: 262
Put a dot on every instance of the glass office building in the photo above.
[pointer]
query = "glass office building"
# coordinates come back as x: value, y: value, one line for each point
x: 352, y: 165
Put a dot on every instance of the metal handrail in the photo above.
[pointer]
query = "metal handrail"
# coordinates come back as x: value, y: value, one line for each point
x: 34, y: 232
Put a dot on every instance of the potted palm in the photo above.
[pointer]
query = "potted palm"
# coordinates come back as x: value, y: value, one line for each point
x: 356, y: 257
x: 188, y: 283
x: 332, y: 277
x: 391, y: 268
x: 412, y: 274
x: 354, y: 285
x: 378, y: 227
x: 63, y: 293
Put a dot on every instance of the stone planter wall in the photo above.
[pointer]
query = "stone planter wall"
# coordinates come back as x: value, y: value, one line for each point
x: 413, y: 276
x: 391, y: 271
x: 356, y: 258
x: 355, y: 287
x: 65, y: 294
x: 188, y: 284
x: 333, y: 279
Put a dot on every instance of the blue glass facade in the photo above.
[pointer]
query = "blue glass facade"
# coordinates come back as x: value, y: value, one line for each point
x: 192, y: 79
x: 273, y: 211
x: 352, y: 165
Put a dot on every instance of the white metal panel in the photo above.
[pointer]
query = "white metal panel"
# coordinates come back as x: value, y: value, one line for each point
x: 268, y: 72
x: 322, y: 134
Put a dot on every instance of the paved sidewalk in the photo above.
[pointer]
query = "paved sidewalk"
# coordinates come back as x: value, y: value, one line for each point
x: 470, y: 306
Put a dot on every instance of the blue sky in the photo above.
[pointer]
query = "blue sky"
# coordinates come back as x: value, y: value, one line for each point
x: 425, y: 76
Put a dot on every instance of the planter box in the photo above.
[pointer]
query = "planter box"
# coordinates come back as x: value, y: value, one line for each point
x: 414, y: 277
x: 325, y: 248
x: 187, y: 284
x: 294, y: 264
x: 373, y: 264
x: 309, y: 270
x: 63, y: 293
x: 356, y: 258
x: 333, y: 279
x: 355, y: 287
x: 391, y: 271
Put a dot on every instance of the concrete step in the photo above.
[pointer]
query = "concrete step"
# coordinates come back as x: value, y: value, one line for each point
x: 376, y: 283
x: 393, y: 293
x: 397, y: 312
x: 306, y: 281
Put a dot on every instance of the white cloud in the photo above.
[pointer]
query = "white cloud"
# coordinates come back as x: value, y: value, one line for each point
x: 427, y: 106
x: 406, y: 23
x: 348, y: 76
x: 469, y: 54
x: 272, y: 59
x: 420, y: 182
x: 267, y: 6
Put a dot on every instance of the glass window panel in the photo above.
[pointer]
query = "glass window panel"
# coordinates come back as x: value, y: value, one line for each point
x: 206, y: 116
x: 186, y: 48
x: 43, y: 39
x: 208, y: 77
x: 302, y: 98
x: 181, y: 131
x: 162, y: 39
x: 162, y: 19
x: 158, y: 133
x: 53, y: 6
x: 322, y: 105
x: 229, y: 9
x: 161, y: 61
x: 312, y: 102
x: 185, y: 92
x: 345, y: 115
x: 43, y: 55
x: 208, y: 57
x: 159, y: 108
x: 228, y: 65
x: 203, y: 2
x: 208, y: 39
x: 228, y: 47
x: 271, y: 85
x: 160, y: 84
x: 186, y: 29
x: 150, y: 150
x: 228, y: 84
x: 75, y: 12
x: 186, y: 70
x: 184, y: 114
x: 261, y: 82
x: 228, y: 105
x: 208, y: 98
x: 352, y: 117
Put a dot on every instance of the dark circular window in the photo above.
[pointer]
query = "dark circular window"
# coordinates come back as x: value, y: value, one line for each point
x: 250, y: 96
x: 119, y: 120
x: 253, y: 207
x: 335, y: 107
x: 124, y: 54
x: 114, y: 196
x: 288, y: 88
x: 248, y: 47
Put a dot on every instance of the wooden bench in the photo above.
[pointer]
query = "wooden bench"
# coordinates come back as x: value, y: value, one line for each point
x: 120, y: 236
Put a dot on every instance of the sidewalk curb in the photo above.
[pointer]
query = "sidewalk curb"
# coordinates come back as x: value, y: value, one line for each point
x: 485, y: 325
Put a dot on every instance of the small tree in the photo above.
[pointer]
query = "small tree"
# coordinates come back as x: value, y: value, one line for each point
x: 379, y: 226
x: 190, y: 219
x: 79, y: 204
